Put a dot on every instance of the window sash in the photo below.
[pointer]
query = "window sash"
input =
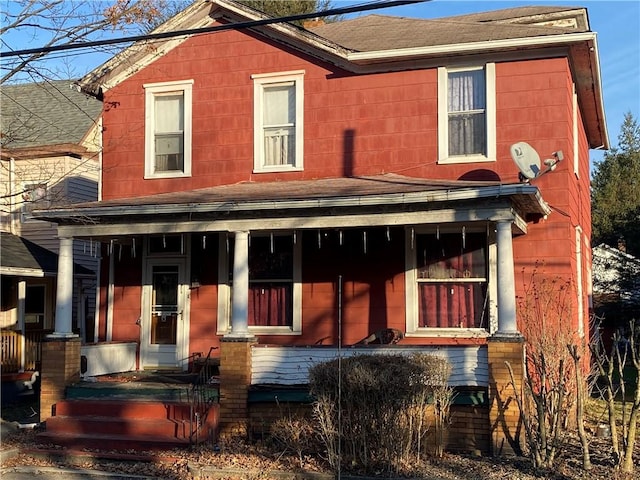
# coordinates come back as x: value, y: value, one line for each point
x: 466, y: 106
x: 452, y: 305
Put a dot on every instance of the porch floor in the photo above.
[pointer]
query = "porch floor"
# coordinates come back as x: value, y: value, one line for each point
x: 157, y: 385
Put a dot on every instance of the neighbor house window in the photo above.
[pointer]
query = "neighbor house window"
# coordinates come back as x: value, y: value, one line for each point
x: 34, y: 306
x: 34, y: 196
x: 466, y: 114
x: 274, y: 284
x: 278, y: 121
x: 448, y: 280
x: 168, y: 129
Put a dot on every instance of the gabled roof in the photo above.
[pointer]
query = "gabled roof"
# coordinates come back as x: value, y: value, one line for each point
x: 378, y: 43
x: 49, y: 114
x: 615, y: 271
x: 21, y: 257
x: 382, y: 32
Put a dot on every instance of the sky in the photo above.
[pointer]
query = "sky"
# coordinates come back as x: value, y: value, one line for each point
x: 616, y: 22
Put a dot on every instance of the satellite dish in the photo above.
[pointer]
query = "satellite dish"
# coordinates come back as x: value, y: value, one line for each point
x: 527, y: 160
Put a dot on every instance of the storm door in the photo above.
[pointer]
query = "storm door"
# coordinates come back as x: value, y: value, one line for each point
x: 163, y: 326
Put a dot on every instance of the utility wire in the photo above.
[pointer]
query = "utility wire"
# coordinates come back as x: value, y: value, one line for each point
x: 217, y: 28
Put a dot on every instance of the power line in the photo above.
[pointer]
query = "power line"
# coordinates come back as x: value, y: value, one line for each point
x: 217, y: 28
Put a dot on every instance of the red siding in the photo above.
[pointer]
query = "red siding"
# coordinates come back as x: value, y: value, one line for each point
x: 354, y: 125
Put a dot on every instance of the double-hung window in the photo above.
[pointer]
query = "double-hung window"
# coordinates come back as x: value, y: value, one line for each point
x: 448, y: 282
x: 274, y: 294
x: 168, y: 129
x: 278, y: 121
x: 466, y: 114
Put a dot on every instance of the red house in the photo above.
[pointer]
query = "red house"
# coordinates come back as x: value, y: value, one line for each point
x: 279, y: 192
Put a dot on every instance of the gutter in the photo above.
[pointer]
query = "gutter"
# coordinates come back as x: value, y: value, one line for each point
x: 474, y: 47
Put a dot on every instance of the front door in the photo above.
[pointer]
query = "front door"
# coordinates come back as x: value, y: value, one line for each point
x: 163, y: 326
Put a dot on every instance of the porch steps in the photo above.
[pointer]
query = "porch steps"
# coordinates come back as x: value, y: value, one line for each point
x: 122, y: 416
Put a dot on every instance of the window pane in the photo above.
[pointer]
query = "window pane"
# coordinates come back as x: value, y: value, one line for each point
x: 466, y: 91
x: 467, y: 134
x: 34, y: 299
x: 452, y: 305
x: 268, y: 261
x: 279, y: 146
x: 169, y: 113
x: 169, y: 152
x: 279, y: 105
x: 451, y: 256
x: 271, y: 304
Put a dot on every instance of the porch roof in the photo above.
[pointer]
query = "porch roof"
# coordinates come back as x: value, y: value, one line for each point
x: 23, y: 258
x: 283, y: 204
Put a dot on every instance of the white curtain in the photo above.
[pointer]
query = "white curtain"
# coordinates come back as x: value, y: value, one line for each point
x: 466, y: 106
x: 169, y: 132
x: 279, y: 115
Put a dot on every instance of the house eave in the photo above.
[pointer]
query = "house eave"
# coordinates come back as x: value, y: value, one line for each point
x: 405, y: 198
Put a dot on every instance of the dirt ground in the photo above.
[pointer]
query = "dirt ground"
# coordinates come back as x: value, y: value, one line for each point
x: 256, y: 461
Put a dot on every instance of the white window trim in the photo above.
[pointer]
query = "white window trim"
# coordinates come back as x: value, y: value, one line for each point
x: 579, y: 289
x: 576, y: 153
x: 443, y: 117
x: 411, y: 293
x: 150, y: 90
x: 224, y: 292
x: 259, y: 82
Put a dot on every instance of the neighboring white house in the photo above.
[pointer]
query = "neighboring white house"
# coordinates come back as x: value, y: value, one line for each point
x: 50, y: 156
x: 616, y: 288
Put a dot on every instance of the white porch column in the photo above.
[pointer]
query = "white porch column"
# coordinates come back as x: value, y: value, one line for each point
x: 240, y: 290
x: 507, y: 324
x: 22, y: 325
x: 64, y: 292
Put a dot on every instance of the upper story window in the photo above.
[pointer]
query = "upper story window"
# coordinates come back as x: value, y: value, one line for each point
x: 168, y: 129
x: 447, y: 283
x: 278, y: 121
x: 35, y: 196
x: 466, y: 114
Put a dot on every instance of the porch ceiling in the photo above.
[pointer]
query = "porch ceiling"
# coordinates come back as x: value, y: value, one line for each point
x: 338, y: 202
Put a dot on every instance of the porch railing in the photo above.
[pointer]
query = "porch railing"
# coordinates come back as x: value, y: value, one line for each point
x: 204, y: 392
x: 11, y: 342
x: 11, y: 355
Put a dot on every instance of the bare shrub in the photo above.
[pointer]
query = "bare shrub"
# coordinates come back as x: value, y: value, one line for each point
x: 374, y: 411
x: 549, y: 388
x: 613, y: 366
x: 297, y: 434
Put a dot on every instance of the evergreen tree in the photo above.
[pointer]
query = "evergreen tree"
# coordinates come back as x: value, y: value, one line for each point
x: 283, y: 8
x: 615, y: 191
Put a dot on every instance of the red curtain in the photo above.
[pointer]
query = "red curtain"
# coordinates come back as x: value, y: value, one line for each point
x: 451, y: 305
x: 270, y: 305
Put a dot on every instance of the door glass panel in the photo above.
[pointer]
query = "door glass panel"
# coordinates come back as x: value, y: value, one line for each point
x: 164, y: 304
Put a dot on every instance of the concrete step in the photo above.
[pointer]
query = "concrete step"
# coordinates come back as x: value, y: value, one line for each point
x: 120, y: 426
x: 103, y: 442
x: 123, y: 409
